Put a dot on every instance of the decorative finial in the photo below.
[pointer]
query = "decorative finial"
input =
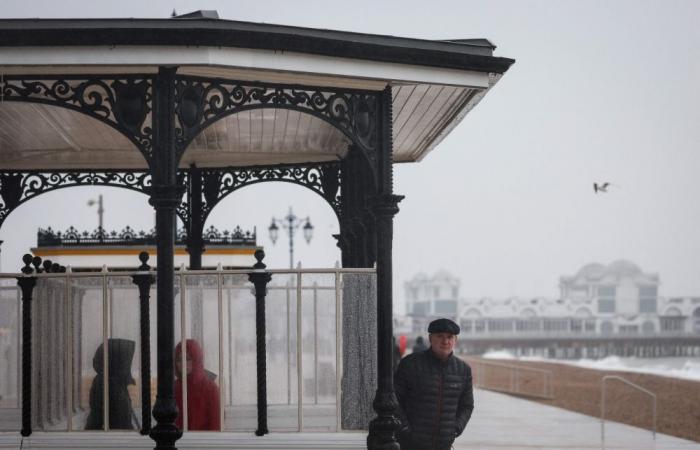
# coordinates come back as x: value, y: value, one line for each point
x: 143, y: 257
x: 27, y: 260
x: 259, y: 255
x: 36, y: 261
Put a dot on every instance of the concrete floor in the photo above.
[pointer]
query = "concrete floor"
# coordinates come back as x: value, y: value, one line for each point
x: 500, y: 422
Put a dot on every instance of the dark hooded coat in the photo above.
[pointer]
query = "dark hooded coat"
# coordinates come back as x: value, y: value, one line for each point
x: 419, y: 345
x: 121, y: 414
x: 203, y: 411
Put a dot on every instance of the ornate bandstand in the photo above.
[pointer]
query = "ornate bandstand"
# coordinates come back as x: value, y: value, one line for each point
x: 189, y: 109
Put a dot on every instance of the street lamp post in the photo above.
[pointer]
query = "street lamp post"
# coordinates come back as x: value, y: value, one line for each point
x: 100, y: 213
x: 291, y: 223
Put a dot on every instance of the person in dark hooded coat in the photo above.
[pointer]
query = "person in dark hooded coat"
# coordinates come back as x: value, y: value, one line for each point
x: 419, y: 345
x: 203, y: 412
x: 121, y: 414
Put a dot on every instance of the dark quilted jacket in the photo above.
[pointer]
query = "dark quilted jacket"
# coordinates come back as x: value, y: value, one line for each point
x: 435, y: 398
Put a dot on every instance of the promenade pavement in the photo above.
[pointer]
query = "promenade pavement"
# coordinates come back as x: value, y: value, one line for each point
x: 503, y: 422
x: 500, y: 422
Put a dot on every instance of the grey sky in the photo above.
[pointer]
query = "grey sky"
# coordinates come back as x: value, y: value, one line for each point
x: 600, y: 91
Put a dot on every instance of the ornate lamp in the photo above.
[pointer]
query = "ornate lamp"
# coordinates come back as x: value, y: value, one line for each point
x: 274, y: 231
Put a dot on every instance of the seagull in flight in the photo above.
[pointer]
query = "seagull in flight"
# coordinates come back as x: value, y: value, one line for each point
x: 602, y: 187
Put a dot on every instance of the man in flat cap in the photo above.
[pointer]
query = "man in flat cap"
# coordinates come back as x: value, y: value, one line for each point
x: 434, y: 389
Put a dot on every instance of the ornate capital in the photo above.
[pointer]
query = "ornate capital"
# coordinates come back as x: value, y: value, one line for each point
x: 387, y: 205
x: 165, y: 196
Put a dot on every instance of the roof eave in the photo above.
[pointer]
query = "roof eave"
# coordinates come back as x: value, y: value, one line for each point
x: 221, y: 33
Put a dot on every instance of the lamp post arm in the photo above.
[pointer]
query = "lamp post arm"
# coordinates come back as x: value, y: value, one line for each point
x: 100, y: 212
x: 290, y: 231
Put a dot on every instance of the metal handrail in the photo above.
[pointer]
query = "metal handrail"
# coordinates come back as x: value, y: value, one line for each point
x: 125, y: 273
x: 629, y: 383
x: 515, y: 372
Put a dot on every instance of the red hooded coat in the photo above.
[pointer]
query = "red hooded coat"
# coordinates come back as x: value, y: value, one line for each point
x: 202, y: 393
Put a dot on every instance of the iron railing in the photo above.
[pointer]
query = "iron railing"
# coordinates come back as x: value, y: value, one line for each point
x: 103, y: 281
x: 633, y: 385
x: 515, y: 375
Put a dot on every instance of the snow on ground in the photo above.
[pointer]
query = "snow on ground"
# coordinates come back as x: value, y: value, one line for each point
x: 684, y: 368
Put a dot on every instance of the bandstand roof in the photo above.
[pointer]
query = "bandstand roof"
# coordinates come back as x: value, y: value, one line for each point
x: 434, y: 85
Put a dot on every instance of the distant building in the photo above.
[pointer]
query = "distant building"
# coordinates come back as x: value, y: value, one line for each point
x: 431, y: 297
x: 617, y: 299
x: 83, y: 250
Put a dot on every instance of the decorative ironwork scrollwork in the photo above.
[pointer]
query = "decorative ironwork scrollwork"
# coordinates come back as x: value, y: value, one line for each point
x: 128, y: 236
x: 122, y: 102
x: 201, y: 102
x: 322, y: 178
x: 18, y: 187
x: 237, y: 236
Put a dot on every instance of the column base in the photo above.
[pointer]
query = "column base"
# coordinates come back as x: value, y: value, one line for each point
x: 165, y: 436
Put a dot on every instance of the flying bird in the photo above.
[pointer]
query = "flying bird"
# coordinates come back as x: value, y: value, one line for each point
x: 602, y: 187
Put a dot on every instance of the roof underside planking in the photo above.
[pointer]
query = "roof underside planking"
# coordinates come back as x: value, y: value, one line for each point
x: 434, y: 85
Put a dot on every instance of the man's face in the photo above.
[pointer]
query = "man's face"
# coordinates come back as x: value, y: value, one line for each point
x: 442, y: 344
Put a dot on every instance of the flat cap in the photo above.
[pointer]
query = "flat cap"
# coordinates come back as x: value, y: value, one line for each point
x: 443, y: 326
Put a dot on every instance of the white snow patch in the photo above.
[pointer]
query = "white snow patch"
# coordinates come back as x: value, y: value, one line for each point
x: 683, y: 368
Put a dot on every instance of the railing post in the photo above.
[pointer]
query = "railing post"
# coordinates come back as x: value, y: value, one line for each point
x: 27, y: 283
x: 300, y: 359
x: 635, y: 386
x: 602, y: 411
x: 260, y: 278
x: 144, y: 282
x: 315, y: 343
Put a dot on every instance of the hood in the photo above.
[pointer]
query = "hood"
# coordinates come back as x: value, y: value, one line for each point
x: 121, y: 354
x: 194, y: 351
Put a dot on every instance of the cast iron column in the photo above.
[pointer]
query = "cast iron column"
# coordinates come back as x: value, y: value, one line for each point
x: 383, y: 428
x: 260, y: 278
x: 195, y: 247
x: 351, y: 189
x: 144, y: 282
x: 165, y: 197
x: 195, y: 228
x: 27, y: 283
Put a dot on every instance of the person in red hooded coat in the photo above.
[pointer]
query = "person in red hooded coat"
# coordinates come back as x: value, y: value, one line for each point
x: 203, y: 412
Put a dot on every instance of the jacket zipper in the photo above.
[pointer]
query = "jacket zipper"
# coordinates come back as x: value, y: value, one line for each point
x: 436, y: 430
